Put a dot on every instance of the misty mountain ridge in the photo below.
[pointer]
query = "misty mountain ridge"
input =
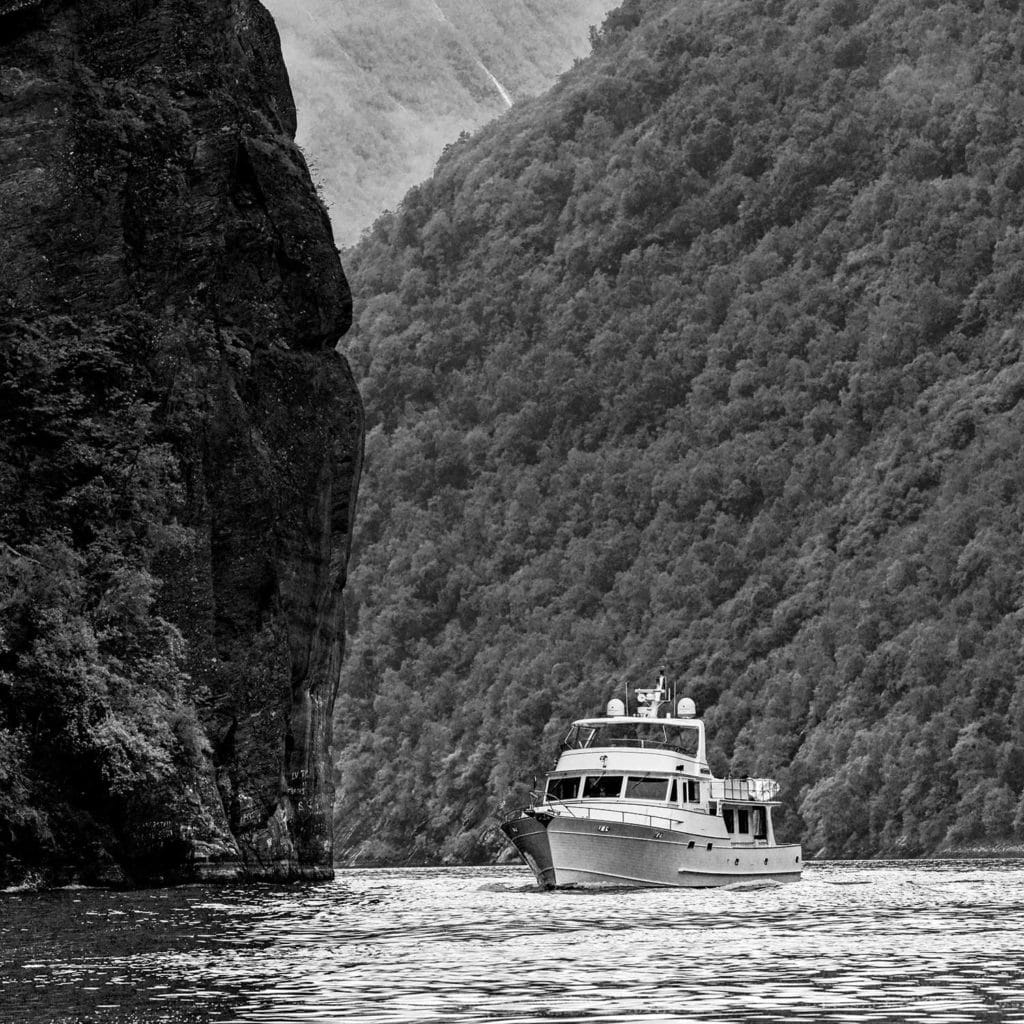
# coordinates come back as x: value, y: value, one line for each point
x: 382, y: 88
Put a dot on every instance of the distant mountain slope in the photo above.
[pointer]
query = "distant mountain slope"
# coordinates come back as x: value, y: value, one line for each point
x: 712, y: 359
x: 381, y: 88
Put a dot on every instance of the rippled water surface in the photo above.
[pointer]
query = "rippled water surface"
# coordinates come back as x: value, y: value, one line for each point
x: 940, y: 942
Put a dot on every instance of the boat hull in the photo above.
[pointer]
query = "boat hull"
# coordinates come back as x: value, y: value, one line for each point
x: 565, y: 851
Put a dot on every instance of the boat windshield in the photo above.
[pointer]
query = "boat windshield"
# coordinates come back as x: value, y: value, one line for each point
x: 659, y: 735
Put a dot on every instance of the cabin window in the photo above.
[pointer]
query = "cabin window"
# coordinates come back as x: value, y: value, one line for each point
x: 692, y: 791
x: 661, y: 736
x: 579, y: 736
x: 673, y: 793
x: 642, y: 787
x: 727, y: 817
x: 742, y: 820
x: 759, y: 822
x: 564, y: 788
x: 602, y: 786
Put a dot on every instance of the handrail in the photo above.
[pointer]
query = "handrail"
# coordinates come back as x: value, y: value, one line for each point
x: 632, y: 743
x: 627, y: 817
x: 568, y: 810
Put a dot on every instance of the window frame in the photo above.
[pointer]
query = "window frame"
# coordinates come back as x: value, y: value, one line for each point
x: 663, y: 779
x: 562, y: 778
x: 584, y: 795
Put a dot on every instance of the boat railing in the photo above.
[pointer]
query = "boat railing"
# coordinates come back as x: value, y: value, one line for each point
x: 631, y: 743
x: 617, y: 814
x: 744, y: 789
x: 554, y: 807
x: 560, y: 807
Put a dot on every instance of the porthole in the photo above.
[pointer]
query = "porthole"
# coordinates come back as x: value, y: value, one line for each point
x: 689, y: 845
x: 736, y: 861
x: 766, y: 861
x: 710, y: 845
x: 798, y: 860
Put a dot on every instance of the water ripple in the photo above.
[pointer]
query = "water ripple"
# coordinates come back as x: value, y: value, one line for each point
x: 938, y: 942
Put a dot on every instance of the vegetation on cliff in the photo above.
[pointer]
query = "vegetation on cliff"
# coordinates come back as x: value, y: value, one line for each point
x: 96, y: 709
x: 709, y: 359
x: 179, y: 450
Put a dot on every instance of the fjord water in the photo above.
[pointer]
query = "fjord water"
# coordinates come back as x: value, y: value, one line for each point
x: 941, y: 942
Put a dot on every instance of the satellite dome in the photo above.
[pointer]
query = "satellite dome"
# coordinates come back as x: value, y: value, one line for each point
x: 615, y: 709
x: 686, y: 708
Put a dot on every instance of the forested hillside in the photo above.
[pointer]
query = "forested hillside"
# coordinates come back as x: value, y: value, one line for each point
x: 382, y: 87
x: 709, y: 359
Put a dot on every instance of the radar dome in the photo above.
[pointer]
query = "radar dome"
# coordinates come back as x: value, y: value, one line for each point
x: 686, y: 708
x: 615, y: 709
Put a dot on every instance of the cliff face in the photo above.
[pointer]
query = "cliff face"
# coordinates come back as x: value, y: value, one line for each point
x: 157, y: 218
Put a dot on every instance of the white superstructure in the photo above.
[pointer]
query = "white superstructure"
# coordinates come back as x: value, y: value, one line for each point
x: 631, y: 801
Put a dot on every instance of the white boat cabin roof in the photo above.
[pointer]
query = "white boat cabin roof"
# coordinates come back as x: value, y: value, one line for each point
x: 640, y: 720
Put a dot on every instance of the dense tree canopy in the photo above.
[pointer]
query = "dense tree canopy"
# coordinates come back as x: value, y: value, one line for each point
x: 96, y: 712
x: 711, y: 359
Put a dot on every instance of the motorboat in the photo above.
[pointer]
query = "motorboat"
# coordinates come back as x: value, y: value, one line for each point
x: 631, y: 801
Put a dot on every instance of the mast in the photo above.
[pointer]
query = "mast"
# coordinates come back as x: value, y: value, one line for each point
x: 650, y: 699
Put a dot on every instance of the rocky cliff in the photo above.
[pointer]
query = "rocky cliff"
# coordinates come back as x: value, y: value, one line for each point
x: 182, y: 445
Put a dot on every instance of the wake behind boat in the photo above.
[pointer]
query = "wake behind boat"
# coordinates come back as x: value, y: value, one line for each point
x: 632, y: 801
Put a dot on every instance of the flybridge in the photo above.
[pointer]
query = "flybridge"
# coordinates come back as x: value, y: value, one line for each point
x: 645, y: 729
x: 633, y: 732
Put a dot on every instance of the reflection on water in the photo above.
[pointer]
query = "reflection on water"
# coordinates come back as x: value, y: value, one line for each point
x: 941, y: 942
